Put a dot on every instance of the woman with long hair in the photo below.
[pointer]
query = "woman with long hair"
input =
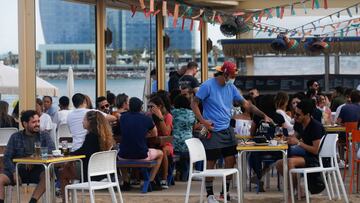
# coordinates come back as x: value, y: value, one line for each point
x: 98, y: 138
x: 5, y: 119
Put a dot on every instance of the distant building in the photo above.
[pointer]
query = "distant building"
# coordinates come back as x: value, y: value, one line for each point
x: 65, y: 22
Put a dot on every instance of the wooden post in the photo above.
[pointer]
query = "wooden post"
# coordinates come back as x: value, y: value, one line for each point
x: 204, y: 53
x: 27, y: 64
x: 100, y: 48
x: 160, y: 55
x: 327, y: 72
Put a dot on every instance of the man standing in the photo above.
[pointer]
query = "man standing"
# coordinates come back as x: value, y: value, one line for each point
x: 188, y: 83
x: 21, y: 144
x: 48, y: 107
x: 217, y: 96
x: 174, y: 76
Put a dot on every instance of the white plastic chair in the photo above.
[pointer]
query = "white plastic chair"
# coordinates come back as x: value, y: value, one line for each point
x: 197, y: 153
x: 5, y: 134
x: 328, y: 150
x: 100, y: 163
x: 63, y: 131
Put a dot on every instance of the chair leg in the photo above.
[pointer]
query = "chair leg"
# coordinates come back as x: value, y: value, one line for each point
x: 238, y: 185
x: 291, y: 187
x: 342, y: 185
x: 330, y: 184
x: 352, y: 171
x: 119, y: 191
x: 306, y: 188
x: 225, y: 192
x: 146, y: 175
x: 8, y: 194
x: 326, y: 185
x: 298, y: 178
x: 66, y: 195
x: 357, y: 177
x: 202, y: 189
x: 336, y: 185
x: 92, y: 196
x: 74, y: 196
x: 113, y: 195
x: 188, y: 188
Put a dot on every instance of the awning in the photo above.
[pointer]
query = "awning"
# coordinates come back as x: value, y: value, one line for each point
x: 242, y: 47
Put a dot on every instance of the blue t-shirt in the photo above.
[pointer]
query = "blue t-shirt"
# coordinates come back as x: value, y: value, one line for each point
x: 350, y: 113
x: 217, y: 102
x: 134, y: 128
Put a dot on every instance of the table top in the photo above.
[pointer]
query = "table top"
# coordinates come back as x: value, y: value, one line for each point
x: 261, y: 147
x: 50, y: 159
x: 238, y: 136
x: 336, y: 128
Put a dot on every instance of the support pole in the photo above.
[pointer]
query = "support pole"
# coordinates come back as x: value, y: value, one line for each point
x: 160, y: 55
x: 337, y: 64
x: 27, y: 44
x: 100, y: 48
x: 204, y: 53
x: 327, y: 72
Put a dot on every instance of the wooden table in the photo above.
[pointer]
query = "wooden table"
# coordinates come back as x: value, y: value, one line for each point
x: 243, y: 149
x: 48, y: 163
x: 334, y: 128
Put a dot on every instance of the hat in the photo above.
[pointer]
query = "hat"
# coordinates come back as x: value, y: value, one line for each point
x: 227, y: 67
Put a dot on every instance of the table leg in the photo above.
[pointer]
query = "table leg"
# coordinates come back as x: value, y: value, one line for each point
x: 47, y: 183
x: 82, y: 179
x: 17, y: 183
x: 241, y: 174
x: 285, y: 174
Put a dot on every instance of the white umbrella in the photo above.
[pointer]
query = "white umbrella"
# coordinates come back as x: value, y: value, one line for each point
x: 70, y: 83
x: 9, y: 83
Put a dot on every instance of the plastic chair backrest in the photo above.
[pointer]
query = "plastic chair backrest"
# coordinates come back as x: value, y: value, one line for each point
x: 329, y: 146
x: 5, y: 134
x: 102, y: 163
x: 196, y: 151
x: 349, y: 126
x: 355, y: 136
x: 64, y: 131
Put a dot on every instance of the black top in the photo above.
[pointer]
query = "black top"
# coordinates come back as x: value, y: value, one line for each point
x: 317, y: 114
x: 90, y: 146
x: 174, y: 81
x: 188, y: 81
x: 313, y: 131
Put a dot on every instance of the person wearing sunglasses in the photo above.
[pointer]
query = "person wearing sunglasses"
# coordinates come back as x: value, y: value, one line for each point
x: 102, y: 105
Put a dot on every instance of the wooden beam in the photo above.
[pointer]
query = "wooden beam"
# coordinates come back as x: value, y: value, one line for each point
x: 204, y: 53
x: 100, y: 48
x: 27, y: 44
x: 160, y: 54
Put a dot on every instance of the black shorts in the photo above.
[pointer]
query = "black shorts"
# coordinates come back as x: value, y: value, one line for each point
x: 26, y: 175
x: 215, y: 154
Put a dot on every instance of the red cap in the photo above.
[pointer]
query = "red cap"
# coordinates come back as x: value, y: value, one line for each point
x: 227, y: 67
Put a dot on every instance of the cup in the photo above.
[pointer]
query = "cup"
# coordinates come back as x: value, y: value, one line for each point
x: 44, y: 152
x: 273, y: 142
x: 56, y: 152
x: 37, y: 149
x: 64, y: 148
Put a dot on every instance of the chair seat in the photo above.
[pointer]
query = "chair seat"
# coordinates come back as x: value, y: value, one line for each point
x: 312, y: 169
x: 96, y: 185
x: 215, y: 172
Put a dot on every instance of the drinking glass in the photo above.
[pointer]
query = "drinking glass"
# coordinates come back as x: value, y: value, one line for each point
x: 44, y: 152
x: 37, y: 149
x: 64, y: 148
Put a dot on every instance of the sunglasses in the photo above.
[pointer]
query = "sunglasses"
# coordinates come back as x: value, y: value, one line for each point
x: 297, y: 114
x: 105, y: 106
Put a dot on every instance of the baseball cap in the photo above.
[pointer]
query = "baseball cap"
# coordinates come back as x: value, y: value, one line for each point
x: 227, y: 67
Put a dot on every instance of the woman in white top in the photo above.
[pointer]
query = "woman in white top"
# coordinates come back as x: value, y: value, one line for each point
x: 281, y: 101
x: 244, y: 125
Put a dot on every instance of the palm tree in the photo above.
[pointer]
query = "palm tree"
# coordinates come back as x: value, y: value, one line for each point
x: 176, y: 56
x: 136, y: 59
x: 74, y: 58
x: 193, y: 54
x: 215, y: 53
x: 59, y: 60
x: 10, y: 59
x: 114, y: 55
x: 37, y: 58
x: 90, y: 55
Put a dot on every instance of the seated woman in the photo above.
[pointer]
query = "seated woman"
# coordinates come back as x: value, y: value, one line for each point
x: 323, y: 105
x: 243, y: 123
x: 6, y: 121
x: 98, y: 138
x: 164, y: 123
x: 308, y: 133
x: 184, y: 120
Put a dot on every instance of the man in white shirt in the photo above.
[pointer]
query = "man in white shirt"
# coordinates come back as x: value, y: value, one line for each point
x: 45, y: 119
x: 76, y: 117
x: 61, y: 115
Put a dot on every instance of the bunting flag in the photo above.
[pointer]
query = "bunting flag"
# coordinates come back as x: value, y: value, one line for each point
x: 282, y: 12
x: 325, y: 4
x: 260, y: 16
x: 183, y: 23
x: 304, y: 7
x: 292, y: 10
x: 248, y: 18
x: 219, y: 19
x: 164, y: 8
x: 349, y: 12
x: 238, y: 13
x: 151, y: 6
x: 156, y: 12
x: 166, y: 21
x: 191, y: 25
x: 200, y: 24
x: 200, y: 14
x: 142, y: 4
x: 278, y: 12
x: 357, y: 8
x: 176, y: 15
x: 213, y: 17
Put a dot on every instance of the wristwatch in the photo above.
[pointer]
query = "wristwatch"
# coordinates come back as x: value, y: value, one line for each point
x: 298, y: 144
x: 161, y: 119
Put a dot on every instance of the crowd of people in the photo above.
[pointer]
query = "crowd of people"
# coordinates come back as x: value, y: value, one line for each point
x: 214, y: 111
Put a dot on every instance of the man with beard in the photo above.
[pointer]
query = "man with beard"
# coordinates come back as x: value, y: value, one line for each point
x: 21, y: 144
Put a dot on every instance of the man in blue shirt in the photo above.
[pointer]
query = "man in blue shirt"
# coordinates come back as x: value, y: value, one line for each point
x: 21, y: 144
x: 217, y: 96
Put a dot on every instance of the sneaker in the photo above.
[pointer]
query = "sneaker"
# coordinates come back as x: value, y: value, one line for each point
x: 154, y: 186
x: 212, y: 199
x: 164, y: 185
x: 341, y: 164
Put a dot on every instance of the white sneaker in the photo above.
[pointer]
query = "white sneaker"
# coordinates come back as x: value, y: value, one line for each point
x: 164, y: 185
x: 212, y: 199
x: 341, y: 164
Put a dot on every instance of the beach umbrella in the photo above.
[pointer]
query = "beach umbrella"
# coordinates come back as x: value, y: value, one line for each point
x: 70, y: 83
x: 9, y: 83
